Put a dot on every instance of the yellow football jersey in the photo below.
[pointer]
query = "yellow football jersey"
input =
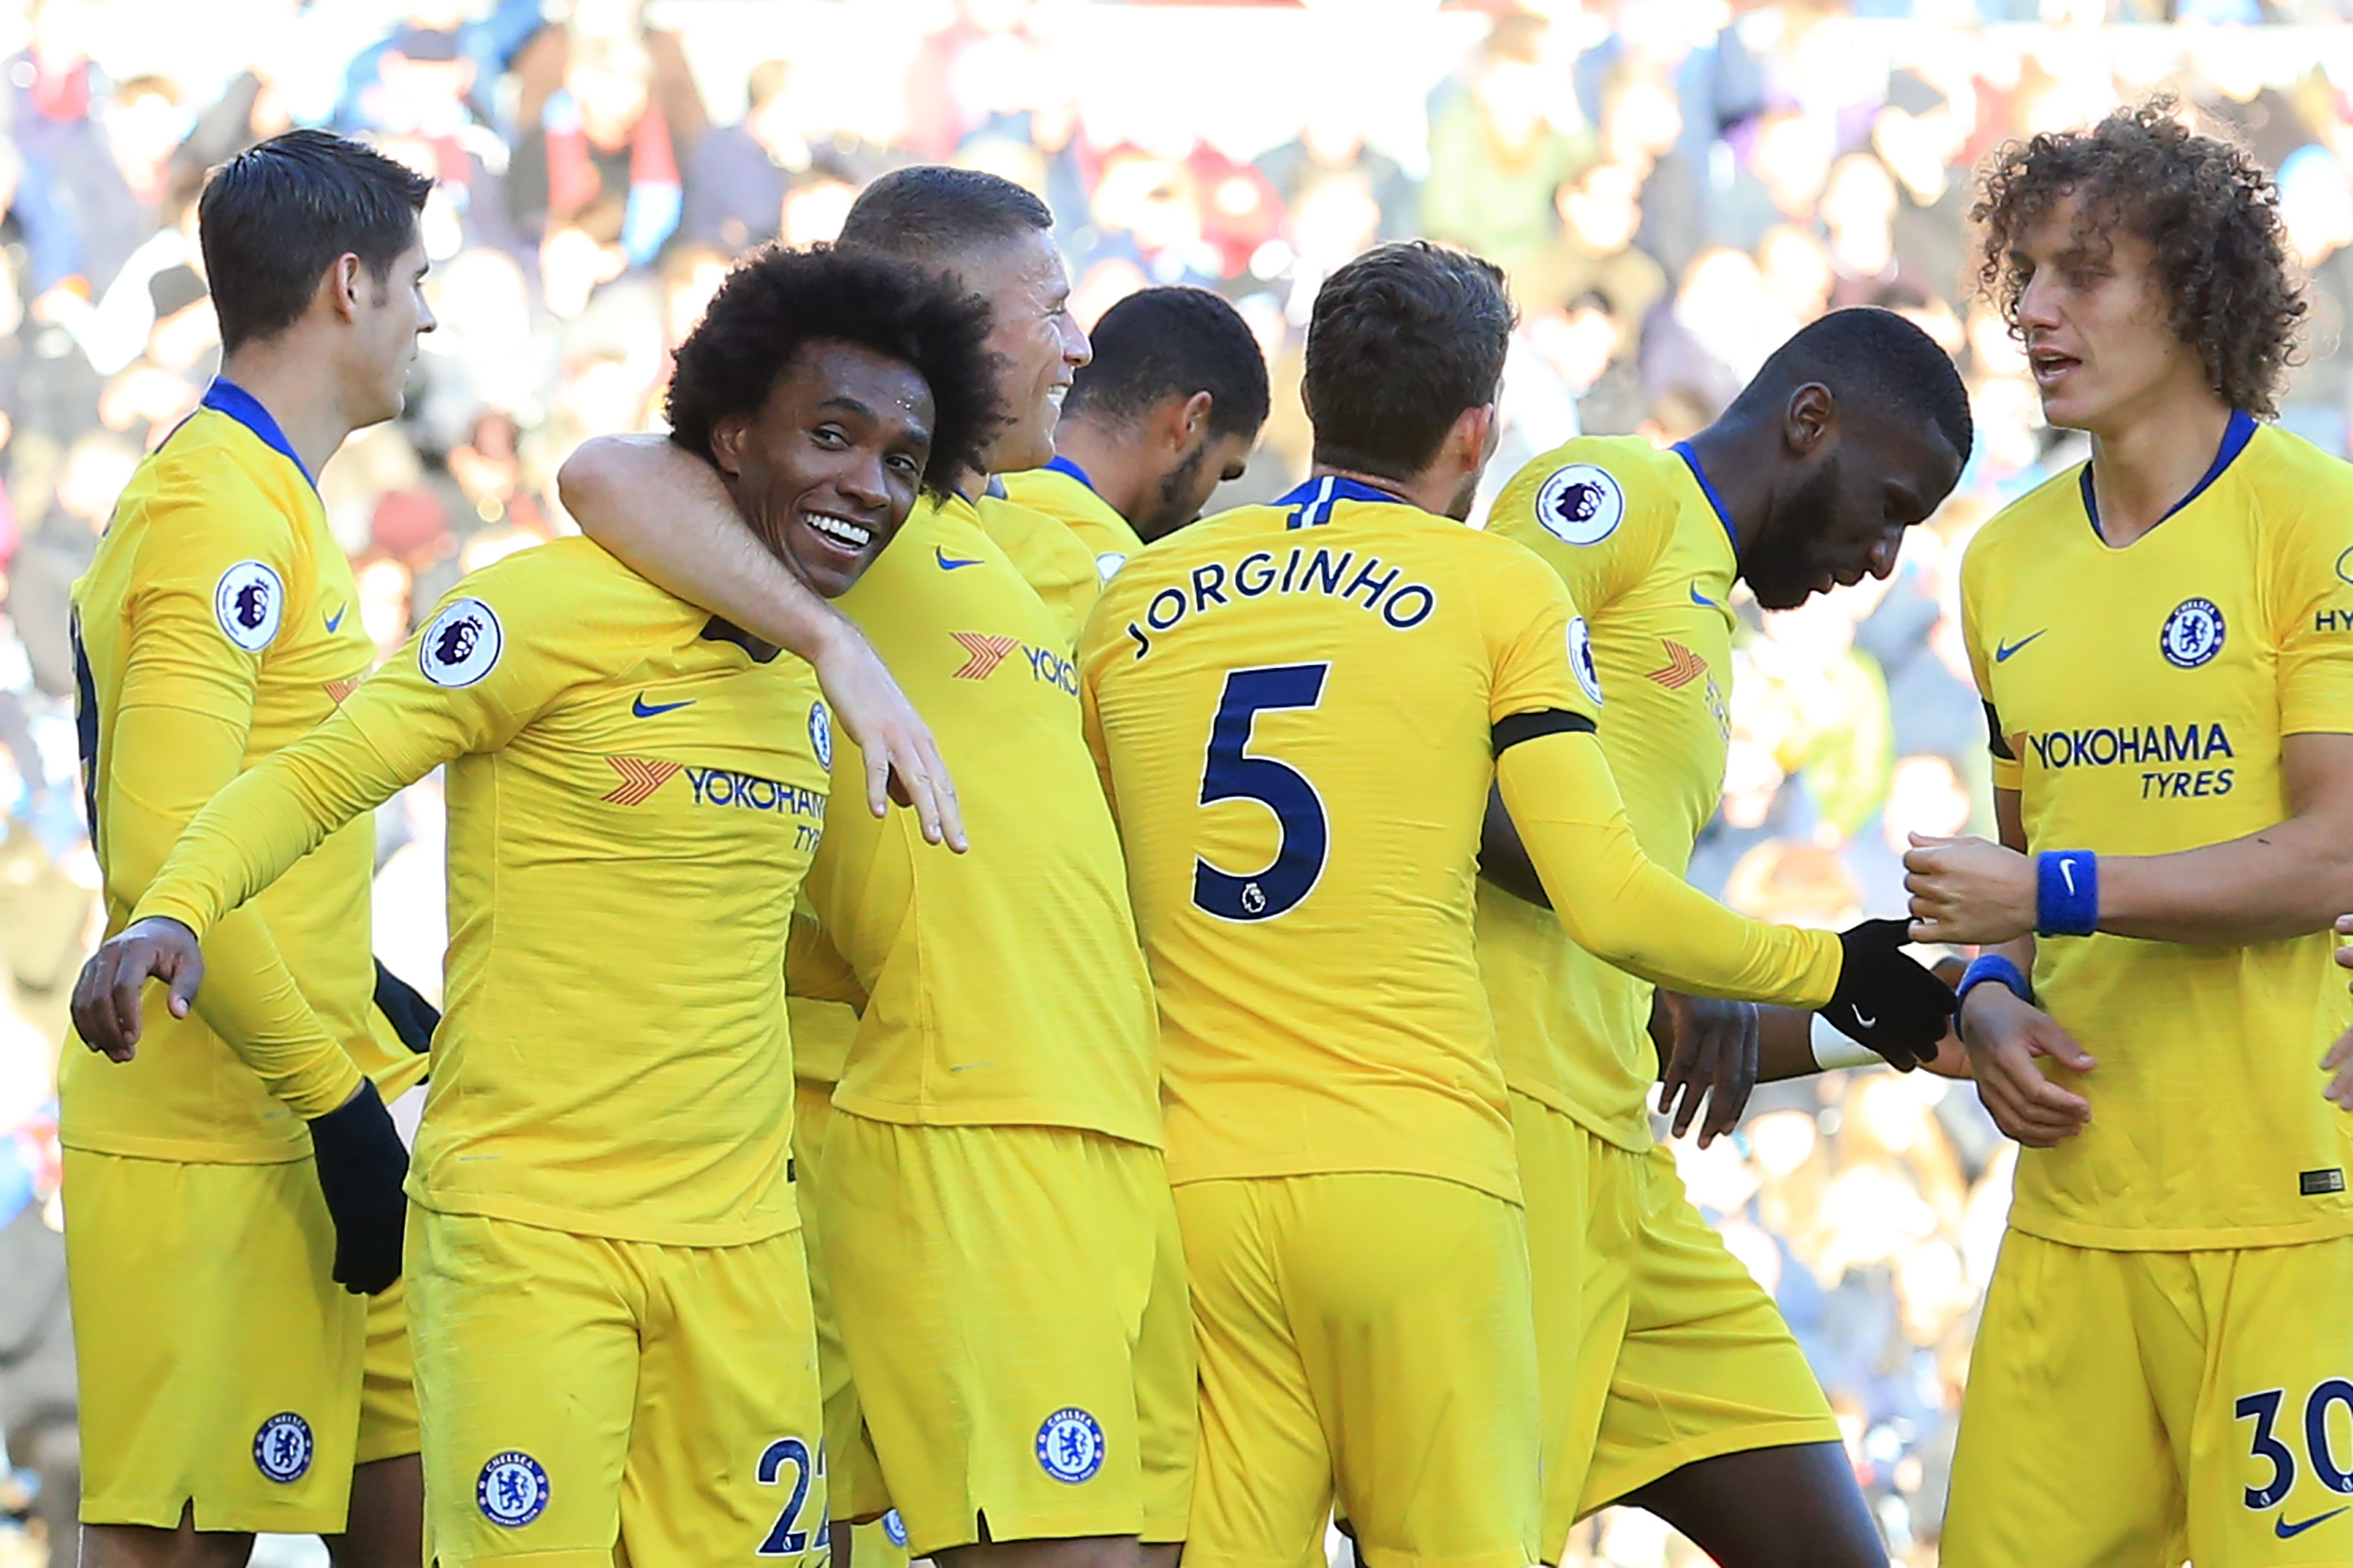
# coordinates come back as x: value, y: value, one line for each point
x: 1003, y: 986
x: 1050, y: 558
x: 1061, y: 490
x: 218, y: 624
x: 1650, y: 560
x: 2138, y: 698
x: 1295, y: 706
x: 822, y: 1000
x: 634, y: 791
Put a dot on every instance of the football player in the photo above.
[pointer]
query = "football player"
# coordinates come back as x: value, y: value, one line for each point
x: 615, y: 1350
x: 2164, y: 639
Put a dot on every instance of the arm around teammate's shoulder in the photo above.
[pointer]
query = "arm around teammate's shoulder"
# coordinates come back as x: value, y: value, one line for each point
x: 665, y: 512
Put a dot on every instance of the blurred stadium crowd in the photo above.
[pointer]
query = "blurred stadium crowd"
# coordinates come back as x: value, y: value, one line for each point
x: 1673, y: 184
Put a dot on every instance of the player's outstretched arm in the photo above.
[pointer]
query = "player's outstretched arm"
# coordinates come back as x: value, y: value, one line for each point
x: 1791, y: 1043
x: 666, y: 516
x: 248, y: 836
x: 1625, y: 910
x: 167, y: 763
x: 2287, y: 880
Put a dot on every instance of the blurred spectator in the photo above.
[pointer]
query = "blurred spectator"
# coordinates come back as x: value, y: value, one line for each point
x: 736, y: 181
x: 1500, y: 147
x: 601, y: 161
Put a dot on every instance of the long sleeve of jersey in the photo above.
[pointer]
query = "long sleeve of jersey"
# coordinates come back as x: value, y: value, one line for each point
x: 180, y: 737
x: 1620, y: 905
x: 399, y: 725
x: 168, y: 764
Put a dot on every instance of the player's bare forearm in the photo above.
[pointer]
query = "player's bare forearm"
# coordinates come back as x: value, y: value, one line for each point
x: 666, y: 514
x: 1503, y: 859
x: 1785, y: 1044
x: 2287, y: 880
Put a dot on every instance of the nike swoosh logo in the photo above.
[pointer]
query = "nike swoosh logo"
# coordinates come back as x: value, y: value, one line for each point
x: 336, y: 619
x: 1863, y: 1023
x: 1701, y: 599
x: 948, y: 563
x: 2067, y: 869
x: 2002, y: 651
x: 645, y: 709
x: 2285, y: 1530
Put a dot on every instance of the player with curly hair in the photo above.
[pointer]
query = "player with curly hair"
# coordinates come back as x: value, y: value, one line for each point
x: 609, y: 1302
x: 2164, y: 639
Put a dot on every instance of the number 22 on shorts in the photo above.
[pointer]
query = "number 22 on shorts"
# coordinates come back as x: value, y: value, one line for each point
x: 789, y: 1462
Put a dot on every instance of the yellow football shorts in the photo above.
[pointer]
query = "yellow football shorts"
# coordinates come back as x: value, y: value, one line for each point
x: 1012, y: 1300
x: 1367, y: 1337
x: 855, y: 1475
x: 219, y: 1364
x: 2134, y: 1407
x: 581, y: 1394
x: 387, y: 1382
x: 1657, y: 1346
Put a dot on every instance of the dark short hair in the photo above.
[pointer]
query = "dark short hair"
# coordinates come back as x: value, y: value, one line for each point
x: 2203, y: 204
x: 273, y: 219
x: 1403, y: 339
x: 933, y: 214
x: 1869, y: 358
x: 1158, y: 344
x: 778, y: 301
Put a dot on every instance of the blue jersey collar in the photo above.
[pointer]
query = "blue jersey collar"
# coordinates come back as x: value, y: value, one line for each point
x: 1310, y: 503
x: 226, y: 397
x: 2235, y: 437
x: 1715, y: 501
x: 1060, y: 464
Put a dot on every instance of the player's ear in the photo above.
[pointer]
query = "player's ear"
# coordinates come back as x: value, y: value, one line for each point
x: 342, y: 285
x: 1194, y: 417
x: 1483, y: 431
x: 727, y: 438
x: 1808, y: 419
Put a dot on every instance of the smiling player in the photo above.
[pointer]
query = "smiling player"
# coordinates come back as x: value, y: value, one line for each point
x: 998, y: 1227
x: 1166, y: 409
x: 2164, y: 639
x: 609, y: 1307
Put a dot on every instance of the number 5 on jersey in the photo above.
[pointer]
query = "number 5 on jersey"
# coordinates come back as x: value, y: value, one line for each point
x: 1231, y: 773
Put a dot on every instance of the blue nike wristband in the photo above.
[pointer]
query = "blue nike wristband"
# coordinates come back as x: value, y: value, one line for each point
x: 2000, y: 971
x: 2066, y: 892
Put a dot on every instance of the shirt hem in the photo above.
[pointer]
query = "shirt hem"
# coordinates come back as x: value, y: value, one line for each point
x: 1618, y: 1132
x: 574, y: 1222
x: 1148, y: 1135
x: 172, y: 1151
x: 1187, y: 1172
x: 2202, y: 1238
